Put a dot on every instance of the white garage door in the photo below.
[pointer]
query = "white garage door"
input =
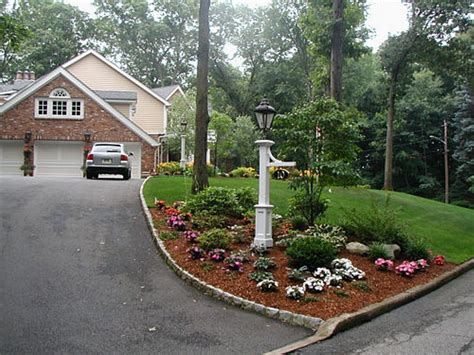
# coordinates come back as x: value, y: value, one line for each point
x: 11, y: 157
x: 54, y: 158
x: 136, y: 160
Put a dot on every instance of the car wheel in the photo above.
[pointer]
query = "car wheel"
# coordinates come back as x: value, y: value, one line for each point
x: 126, y: 176
x: 88, y: 175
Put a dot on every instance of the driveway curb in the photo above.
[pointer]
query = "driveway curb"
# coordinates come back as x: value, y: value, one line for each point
x: 285, y: 316
x: 349, y: 320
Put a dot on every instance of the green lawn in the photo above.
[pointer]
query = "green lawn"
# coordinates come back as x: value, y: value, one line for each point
x: 449, y: 229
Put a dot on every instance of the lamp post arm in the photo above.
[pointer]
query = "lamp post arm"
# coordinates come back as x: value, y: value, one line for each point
x: 438, y: 139
x: 278, y: 163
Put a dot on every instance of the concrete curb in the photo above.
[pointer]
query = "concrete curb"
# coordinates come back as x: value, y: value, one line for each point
x: 349, y: 320
x: 285, y: 316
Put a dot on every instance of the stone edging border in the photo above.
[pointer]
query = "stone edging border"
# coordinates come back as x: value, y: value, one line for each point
x: 285, y: 316
x: 350, y: 320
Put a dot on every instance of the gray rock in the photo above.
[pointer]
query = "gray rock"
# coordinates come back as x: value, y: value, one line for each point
x: 393, y: 250
x: 357, y: 248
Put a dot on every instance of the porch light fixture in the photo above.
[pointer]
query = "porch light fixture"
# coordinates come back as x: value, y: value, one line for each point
x: 28, y: 135
x: 87, y: 136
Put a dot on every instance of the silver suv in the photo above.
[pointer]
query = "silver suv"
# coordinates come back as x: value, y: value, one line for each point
x: 108, y: 158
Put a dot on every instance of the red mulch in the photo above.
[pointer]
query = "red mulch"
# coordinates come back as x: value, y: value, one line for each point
x: 323, y: 305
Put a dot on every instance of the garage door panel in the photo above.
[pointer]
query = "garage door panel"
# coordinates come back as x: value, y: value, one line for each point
x: 58, y: 158
x: 11, y: 157
x: 136, y: 160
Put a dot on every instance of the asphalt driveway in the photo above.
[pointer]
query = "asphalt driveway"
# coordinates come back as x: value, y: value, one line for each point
x: 79, y: 274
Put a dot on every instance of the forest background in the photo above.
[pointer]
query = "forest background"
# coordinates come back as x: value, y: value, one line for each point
x: 417, y: 78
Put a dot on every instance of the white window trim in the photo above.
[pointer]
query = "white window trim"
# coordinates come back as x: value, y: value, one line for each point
x: 49, y: 115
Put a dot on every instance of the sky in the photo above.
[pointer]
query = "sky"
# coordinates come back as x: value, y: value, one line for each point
x: 384, y: 16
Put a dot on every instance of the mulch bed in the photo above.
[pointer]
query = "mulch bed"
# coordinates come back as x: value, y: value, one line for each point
x: 330, y: 303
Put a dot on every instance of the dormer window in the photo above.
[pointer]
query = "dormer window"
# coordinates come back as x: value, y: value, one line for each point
x: 59, y: 105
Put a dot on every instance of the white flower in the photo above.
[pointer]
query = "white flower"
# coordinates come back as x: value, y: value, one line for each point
x: 295, y: 292
x: 322, y: 273
x: 313, y: 285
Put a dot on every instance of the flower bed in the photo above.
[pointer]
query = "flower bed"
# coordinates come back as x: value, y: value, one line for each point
x: 374, y: 287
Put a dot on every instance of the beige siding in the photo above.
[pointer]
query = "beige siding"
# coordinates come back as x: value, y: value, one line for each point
x: 99, y: 76
x: 124, y: 109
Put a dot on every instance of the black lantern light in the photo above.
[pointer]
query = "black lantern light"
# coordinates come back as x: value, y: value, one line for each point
x: 184, y: 124
x: 27, y: 137
x: 87, y: 136
x: 265, y: 114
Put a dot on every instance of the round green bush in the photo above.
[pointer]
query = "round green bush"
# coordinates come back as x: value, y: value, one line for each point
x: 377, y: 250
x: 299, y: 223
x: 310, y: 252
x: 214, y: 239
x: 415, y: 249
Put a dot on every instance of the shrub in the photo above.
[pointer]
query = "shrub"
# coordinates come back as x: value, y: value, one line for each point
x: 299, y: 223
x: 234, y: 263
x: 217, y: 255
x: 295, y: 292
x: 214, y: 239
x: 205, y: 221
x: 333, y: 234
x: 309, y: 206
x: 196, y: 253
x: 264, y: 264
x: 312, y: 252
x: 314, y: 285
x: 415, y: 248
x: 169, y: 168
x: 268, y: 285
x: 165, y: 235
x: 243, y: 172
x: 246, y: 198
x: 222, y: 201
x: 377, y: 224
x: 260, y: 276
x: 377, y: 251
x: 298, y: 274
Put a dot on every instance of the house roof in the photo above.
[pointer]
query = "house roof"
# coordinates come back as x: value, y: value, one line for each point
x: 16, y: 85
x: 44, y: 80
x: 166, y: 91
x: 117, y: 95
x: 120, y: 71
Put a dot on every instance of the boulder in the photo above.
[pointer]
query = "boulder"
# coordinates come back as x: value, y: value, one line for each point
x: 357, y: 248
x: 393, y: 250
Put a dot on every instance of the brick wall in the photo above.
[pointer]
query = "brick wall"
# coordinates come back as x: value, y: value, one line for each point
x: 103, y: 126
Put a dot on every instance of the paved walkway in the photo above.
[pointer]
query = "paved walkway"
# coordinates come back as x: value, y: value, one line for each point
x: 79, y: 274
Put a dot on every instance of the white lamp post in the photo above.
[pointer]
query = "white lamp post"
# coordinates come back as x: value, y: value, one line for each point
x: 182, y: 162
x: 263, y: 210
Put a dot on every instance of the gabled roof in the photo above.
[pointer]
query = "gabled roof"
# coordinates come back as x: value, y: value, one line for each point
x: 117, y: 95
x: 44, y: 80
x: 167, y: 91
x: 117, y: 69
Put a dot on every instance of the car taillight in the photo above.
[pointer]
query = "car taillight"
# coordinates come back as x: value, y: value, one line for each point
x: 123, y: 157
x: 90, y: 156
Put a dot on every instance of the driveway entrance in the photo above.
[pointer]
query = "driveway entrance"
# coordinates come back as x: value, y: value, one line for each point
x: 79, y: 274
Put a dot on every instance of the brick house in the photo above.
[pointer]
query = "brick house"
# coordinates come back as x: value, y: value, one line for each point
x: 53, y: 121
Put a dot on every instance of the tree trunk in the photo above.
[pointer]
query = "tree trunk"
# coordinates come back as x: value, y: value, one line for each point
x: 388, y: 183
x: 336, y: 50
x: 200, y: 175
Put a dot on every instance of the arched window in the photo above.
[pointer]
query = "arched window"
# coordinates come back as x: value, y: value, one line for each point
x: 59, y: 105
x: 60, y: 92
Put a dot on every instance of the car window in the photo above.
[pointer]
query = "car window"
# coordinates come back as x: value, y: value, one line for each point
x: 107, y: 148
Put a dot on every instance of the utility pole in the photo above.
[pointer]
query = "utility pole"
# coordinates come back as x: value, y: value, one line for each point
x: 446, y: 170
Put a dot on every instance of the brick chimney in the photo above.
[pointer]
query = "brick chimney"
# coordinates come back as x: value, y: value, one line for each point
x: 19, y: 75
x: 26, y: 75
x: 32, y: 75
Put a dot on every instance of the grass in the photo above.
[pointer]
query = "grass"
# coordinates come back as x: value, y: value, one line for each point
x: 448, y: 229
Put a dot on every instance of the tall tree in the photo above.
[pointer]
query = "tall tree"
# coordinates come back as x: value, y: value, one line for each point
x: 12, y: 34
x: 59, y: 32
x: 337, y: 37
x: 154, y: 41
x: 433, y: 23
x: 200, y: 175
